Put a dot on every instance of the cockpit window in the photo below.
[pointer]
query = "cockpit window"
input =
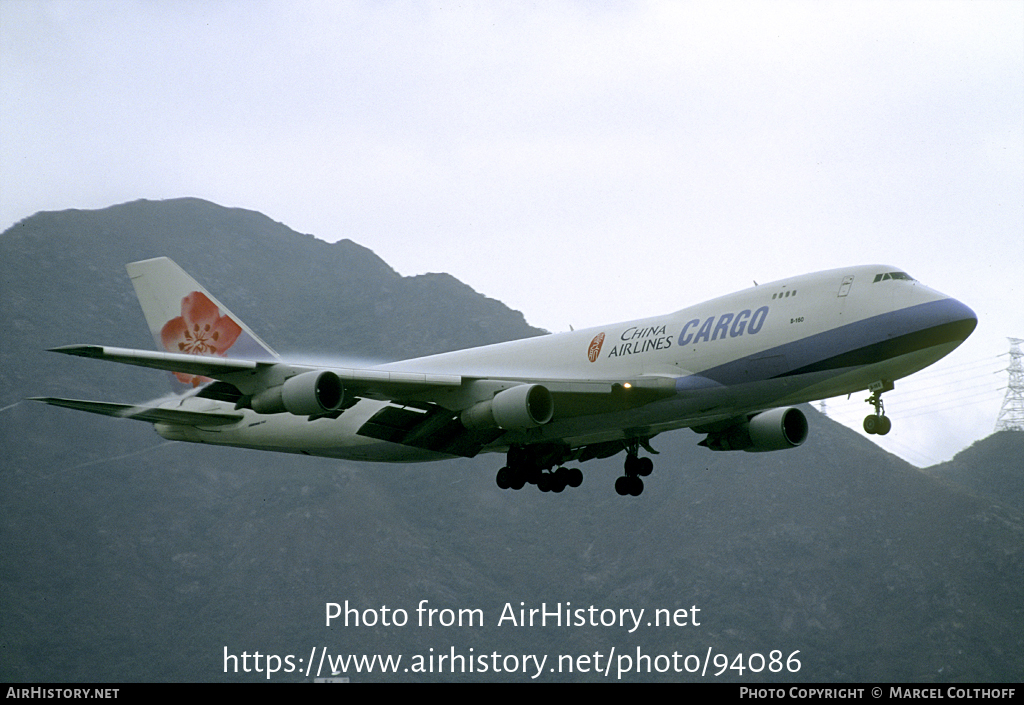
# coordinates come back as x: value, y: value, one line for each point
x: 893, y: 275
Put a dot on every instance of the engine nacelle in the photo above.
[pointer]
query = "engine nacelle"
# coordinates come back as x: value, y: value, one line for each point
x: 307, y: 394
x: 521, y: 407
x: 776, y: 429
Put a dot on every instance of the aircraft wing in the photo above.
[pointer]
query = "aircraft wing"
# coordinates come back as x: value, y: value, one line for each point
x: 206, y: 366
x: 142, y: 413
x: 247, y: 374
x: 251, y: 376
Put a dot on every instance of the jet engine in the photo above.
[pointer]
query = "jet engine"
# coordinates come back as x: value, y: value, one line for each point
x: 521, y: 407
x: 776, y: 429
x: 306, y: 394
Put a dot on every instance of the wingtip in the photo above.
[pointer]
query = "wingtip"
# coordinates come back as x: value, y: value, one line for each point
x: 78, y: 350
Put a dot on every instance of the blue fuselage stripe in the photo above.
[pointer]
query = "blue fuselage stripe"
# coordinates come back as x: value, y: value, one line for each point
x: 868, y: 341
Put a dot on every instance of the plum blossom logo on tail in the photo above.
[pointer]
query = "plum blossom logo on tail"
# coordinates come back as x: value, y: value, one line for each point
x: 199, y: 330
x: 595, y: 347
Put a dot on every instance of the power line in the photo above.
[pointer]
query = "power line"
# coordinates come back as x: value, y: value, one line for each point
x: 957, y: 369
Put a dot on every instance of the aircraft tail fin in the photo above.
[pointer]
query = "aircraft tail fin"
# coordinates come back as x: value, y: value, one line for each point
x: 185, y: 318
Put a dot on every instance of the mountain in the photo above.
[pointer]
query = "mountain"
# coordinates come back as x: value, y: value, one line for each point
x: 128, y: 558
x: 991, y: 468
x: 304, y: 294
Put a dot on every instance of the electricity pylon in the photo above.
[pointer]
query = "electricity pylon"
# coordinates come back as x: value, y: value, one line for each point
x: 1011, y: 415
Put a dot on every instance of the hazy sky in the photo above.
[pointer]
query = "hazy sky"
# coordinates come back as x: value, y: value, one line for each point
x: 582, y: 162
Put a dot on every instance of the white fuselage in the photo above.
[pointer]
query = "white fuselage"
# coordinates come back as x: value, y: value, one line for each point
x: 792, y: 341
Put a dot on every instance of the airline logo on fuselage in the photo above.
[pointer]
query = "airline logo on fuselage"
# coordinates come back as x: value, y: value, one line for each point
x: 642, y: 339
x: 595, y: 347
x: 731, y: 325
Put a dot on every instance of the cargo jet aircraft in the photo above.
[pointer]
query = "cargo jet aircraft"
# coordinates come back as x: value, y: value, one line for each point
x: 729, y: 369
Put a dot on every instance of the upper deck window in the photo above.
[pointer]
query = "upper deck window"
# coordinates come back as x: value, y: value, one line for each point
x: 893, y: 275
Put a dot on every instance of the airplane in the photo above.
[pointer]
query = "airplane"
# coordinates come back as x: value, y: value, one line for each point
x: 731, y: 369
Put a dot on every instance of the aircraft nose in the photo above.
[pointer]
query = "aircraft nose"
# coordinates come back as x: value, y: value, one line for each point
x: 962, y: 318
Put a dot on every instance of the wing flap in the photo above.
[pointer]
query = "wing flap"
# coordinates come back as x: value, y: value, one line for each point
x: 430, y: 427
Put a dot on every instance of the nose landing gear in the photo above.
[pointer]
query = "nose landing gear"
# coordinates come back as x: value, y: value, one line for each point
x: 878, y: 423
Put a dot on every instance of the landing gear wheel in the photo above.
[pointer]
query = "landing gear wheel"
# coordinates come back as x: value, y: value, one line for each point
x: 559, y: 481
x: 635, y: 467
x: 569, y: 477
x: 622, y: 485
x: 574, y: 477
x: 636, y: 486
x: 878, y: 423
x: 504, y: 478
x: 629, y: 485
x: 510, y: 478
x: 546, y: 482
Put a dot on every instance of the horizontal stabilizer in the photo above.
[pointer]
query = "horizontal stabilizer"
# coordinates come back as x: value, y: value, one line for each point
x: 142, y: 413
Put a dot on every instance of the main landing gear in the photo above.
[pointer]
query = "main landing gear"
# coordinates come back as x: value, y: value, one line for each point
x: 516, y: 477
x: 635, y: 468
x: 542, y: 465
x: 878, y: 423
